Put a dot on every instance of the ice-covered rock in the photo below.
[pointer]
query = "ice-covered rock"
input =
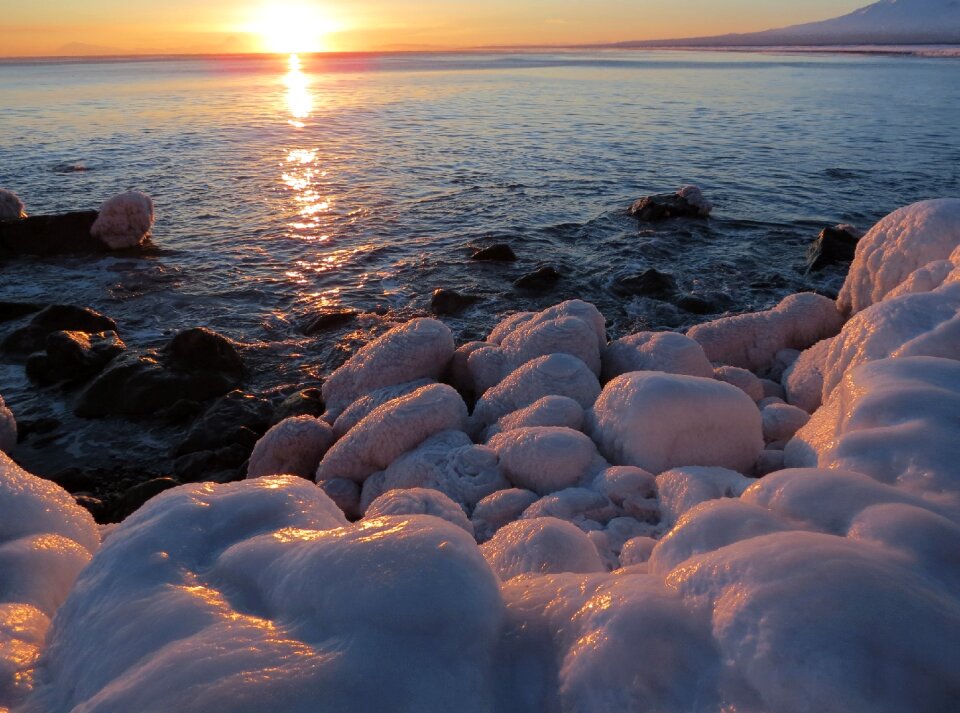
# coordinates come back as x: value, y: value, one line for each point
x: 781, y: 421
x: 632, y: 489
x: 553, y: 375
x: 46, y: 539
x: 574, y: 505
x: 929, y: 277
x: 391, y: 430
x: 346, y: 494
x: 125, y: 220
x: 657, y: 421
x: 746, y: 381
x: 803, y: 380
x: 905, y: 240
x: 294, y: 446
x: 362, y: 407
x: 637, y: 551
x: 419, y: 349
x: 544, y: 459
x: 448, y: 462
x: 770, y: 461
x: 8, y: 428
x: 498, y: 509
x: 548, y: 411
x: 540, y: 546
x: 751, y: 341
x: 894, y: 420
x: 419, y: 501
x: 11, y: 207
x: 680, y: 489
x: 258, y: 596
x: 655, y: 351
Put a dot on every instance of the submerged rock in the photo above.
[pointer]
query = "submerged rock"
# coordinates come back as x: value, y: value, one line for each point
x: 539, y: 280
x: 449, y: 302
x: 835, y: 245
x: 649, y: 283
x: 74, y: 356
x: 202, y: 349
x: 687, y: 202
x: 306, y: 402
x: 43, y: 235
x: 222, y: 423
x: 500, y: 252
x: 56, y: 318
x: 328, y: 319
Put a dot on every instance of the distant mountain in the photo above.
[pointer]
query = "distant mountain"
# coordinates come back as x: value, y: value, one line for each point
x: 899, y: 22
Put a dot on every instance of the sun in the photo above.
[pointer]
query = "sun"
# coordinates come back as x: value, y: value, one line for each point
x: 293, y: 27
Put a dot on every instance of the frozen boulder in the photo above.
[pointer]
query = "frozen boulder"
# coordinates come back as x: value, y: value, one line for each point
x: 125, y: 220
x: 655, y: 351
x: 803, y: 380
x: 631, y: 489
x: 637, y: 551
x: 751, y: 341
x: 929, y: 277
x: 419, y: 501
x: 548, y: 411
x: 907, y: 239
x: 419, y: 349
x: 391, y: 430
x: 658, y: 421
x: 781, y: 421
x: 294, y: 446
x: 362, y: 407
x: 575, y: 505
x: 8, y: 428
x: 499, y: 508
x: 540, y: 546
x: 11, y: 207
x: 544, y: 459
x: 746, y: 381
x: 681, y: 489
x: 345, y: 494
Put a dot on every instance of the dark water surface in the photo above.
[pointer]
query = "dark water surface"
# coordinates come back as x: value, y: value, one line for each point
x: 363, y: 181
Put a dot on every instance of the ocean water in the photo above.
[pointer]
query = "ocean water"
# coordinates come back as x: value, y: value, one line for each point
x: 284, y: 186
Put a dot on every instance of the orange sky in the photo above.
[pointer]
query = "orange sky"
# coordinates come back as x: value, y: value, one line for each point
x: 52, y: 27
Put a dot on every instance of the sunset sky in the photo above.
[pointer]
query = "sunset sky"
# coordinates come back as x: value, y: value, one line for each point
x: 53, y: 27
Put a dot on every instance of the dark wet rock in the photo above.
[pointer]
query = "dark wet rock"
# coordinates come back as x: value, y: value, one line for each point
x: 449, y: 302
x: 43, y: 235
x: 328, y: 319
x: 75, y: 480
x: 182, y: 411
x: 227, y: 422
x: 95, y: 506
x: 835, y: 246
x: 193, y: 467
x: 664, y: 206
x: 134, y: 498
x: 231, y: 475
x: 306, y: 402
x: 769, y: 282
x: 500, y: 252
x: 202, y: 349
x: 649, y: 283
x: 694, y: 304
x: 539, y: 280
x: 74, y: 356
x: 56, y: 318
x: 36, y: 427
x: 15, y: 310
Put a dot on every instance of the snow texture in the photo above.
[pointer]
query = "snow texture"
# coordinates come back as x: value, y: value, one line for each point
x: 418, y: 349
x: 907, y: 239
x: 543, y: 545
x: 419, y: 501
x: 781, y: 421
x: 581, y: 506
x: 294, y: 446
x: 498, y: 509
x: 391, y: 430
x: 803, y: 380
x: 11, y: 207
x: 658, y: 421
x: 346, y: 494
x: 8, y: 428
x: 751, y: 341
x: 746, y: 381
x: 124, y: 220
x: 655, y: 351
x: 544, y: 459
x: 548, y: 411
x: 680, y: 489
x: 362, y: 407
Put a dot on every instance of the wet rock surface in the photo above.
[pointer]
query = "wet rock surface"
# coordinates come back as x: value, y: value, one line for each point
x: 540, y: 280
x: 449, y: 302
x: 44, y: 235
x: 55, y: 318
x: 663, y: 206
x: 500, y: 252
x: 73, y: 356
x: 836, y: 245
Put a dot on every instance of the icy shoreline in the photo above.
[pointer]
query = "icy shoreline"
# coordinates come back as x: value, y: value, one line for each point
x: 760, y: 515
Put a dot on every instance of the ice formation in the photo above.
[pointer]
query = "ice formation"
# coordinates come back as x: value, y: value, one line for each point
x: 657, y: 421
x: 419, y: 501
x: 499, y: 509
x: 907, y: 239
x: 548, y: 411
x: 11, y: 207
x: 543, y: 545
x: 803, y: 380
x: 744, y: 380
x: 781, y: 421
x: 544, y: 459
x: 292, y: 447
x: 655, y: 351
x: 680, y: 489
x: 124, y: 221
x: 419, y: 349
x: 751, y: 341
x: 8, y: 428
x: 363, y: 406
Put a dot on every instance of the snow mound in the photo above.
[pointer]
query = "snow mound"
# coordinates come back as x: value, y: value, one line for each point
x: 365, y: 405
x: 294, y: 446
x: 907, y: 239
x: 751, y: 341
x: 548, y: 411
x: 782, y: 421
x: 681, y: 489
x: 391, y: 430
x: 420, y: 349
x: 803, y: 380
x: 8, y: 428
x: 124, y: 220
x: 544, y: 459
x: 261, y: 597
x: 655, y: 351
x: 11, y: 207
x: 498, y: 509
x: 419, y: 501
x: 46, y: 539
x: 540, y: 546
x: 585, y: 508
x: 657, y: 421
x: 744, y: 380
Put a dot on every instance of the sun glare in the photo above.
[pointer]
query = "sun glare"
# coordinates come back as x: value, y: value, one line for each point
x: 290, y: 28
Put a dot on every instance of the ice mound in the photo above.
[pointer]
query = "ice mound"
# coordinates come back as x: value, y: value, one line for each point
x: 907, y: 239
x: 418, y: 349
x: 292, y: 447
x: 362, y: 407
x: 782, y: 421
x: 681, y: 489
x: 419, y: 501
x: 744, y: 380
x: 803, y: 380
x: 585, y: 508
x: 447, y: 462
x: 8, y: 428
x: 655, y: 351
x: 658, y: 421
x: 894, y: 420
x: 543, y: 545
x: 499, y: 509
x: 391, y: 430
x: 751, y: 341
x: 257, y: 596
x: 46, y: 539
x: 11, y: 207
x: 124, y: 220
x: 545, y: 459
x: 548, y: 411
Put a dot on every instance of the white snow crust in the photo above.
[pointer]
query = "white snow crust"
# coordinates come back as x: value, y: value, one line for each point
x: 124, y: 220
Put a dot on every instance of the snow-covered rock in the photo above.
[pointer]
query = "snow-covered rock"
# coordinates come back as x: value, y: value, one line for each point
x: 124, y: 220
x: 544, y: 459
x: 905, y: 240
x: 419, y: 349
x: 294, y: 446
x: 746, y: 381
x: 362, y: 407
x: 781, y: 421
x: 346, y: 494
x: 540, y: 546
x: 694, y: 196
x: 8, y: 428
x: 574, y: 505
x: 498, y: 509
x: 632, y: 489
x: 657, y: 421
x: 803, y: 380
x: 751, y: 341
x: 680, y: 489
x: 391, y: 430
x: 655, y: 351
x: 548, y: 411
x: 419, y: 501
x: 11, y: 207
